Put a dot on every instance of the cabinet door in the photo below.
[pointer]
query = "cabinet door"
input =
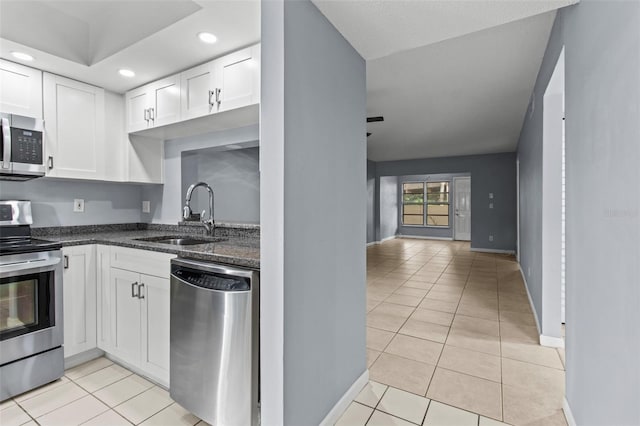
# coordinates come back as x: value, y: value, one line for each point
x: 20, y: 89
x: 238, y: 77
x: 138, y: 102
x: 74, y: 131
x: 195, y: 86
x: 104, y: 299
x: 166, y: 101
x: 79, y: 299
x: 125, y: 323
x: 155, y: 327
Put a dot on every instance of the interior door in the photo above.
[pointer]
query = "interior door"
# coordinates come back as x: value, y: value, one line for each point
x: 462, y: 208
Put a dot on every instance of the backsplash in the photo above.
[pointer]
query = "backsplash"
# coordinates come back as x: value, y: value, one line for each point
x: 52, y: 201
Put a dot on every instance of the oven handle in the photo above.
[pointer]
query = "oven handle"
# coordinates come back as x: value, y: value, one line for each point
x: 6, y: 143
x: 34, y: 265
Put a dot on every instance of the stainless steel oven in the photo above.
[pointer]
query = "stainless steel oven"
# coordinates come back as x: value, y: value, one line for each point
x: 21, y: 147
x: 31, y: 329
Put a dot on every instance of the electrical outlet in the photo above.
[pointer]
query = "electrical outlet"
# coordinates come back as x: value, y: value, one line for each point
x: 490, y: 237
x: 490, y: 205
x: 78, y: 205
x: 146, y: 207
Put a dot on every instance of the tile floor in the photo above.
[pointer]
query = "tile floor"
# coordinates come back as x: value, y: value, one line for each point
x: 98, y: 393
x: 451, y: 340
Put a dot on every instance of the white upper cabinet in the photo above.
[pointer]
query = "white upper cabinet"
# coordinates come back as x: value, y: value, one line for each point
x: 197, y: 87
x: 20, y: 90
x: 74, y: 115
x: 155, y: 104
x: 238, y: 78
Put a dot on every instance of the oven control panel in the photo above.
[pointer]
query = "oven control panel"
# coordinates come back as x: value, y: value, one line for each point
x: 26, y: 146
x: 6, y: 212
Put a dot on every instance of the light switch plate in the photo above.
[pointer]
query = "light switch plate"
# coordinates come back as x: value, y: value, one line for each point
x: 146, y: 207
x: 78, y: 205
x: 491, y: 195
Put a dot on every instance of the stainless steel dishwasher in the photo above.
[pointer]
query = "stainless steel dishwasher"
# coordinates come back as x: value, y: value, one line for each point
x: 214, y: 334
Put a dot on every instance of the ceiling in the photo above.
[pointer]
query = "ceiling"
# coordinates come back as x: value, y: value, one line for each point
x: 91, y: 40
x: 449, y: 77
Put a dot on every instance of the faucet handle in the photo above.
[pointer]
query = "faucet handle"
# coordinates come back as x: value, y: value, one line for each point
x: 186, y: 212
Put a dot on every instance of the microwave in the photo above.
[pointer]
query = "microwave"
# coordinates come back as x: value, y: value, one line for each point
x: 21, y: 147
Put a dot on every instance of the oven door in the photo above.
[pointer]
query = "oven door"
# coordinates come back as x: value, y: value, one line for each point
x: 30, y: 304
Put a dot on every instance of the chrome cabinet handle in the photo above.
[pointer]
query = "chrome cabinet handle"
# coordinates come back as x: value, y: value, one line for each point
x: 6, y: 143
x: 134, y: 286
x: 66, y: 262
x: 140, y: 291
x: 218, y: 92
x: 50, y: 162
x: 146, y: 114
x: 211, y: 93
x: 152, y: 114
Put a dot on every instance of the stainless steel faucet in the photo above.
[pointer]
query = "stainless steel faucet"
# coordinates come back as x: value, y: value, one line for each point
x: 209, y: 223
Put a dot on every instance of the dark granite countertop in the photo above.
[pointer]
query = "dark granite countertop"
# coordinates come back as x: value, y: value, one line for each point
x: 237, y: 248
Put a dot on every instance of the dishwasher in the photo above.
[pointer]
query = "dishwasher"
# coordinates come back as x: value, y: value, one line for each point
x: 214, y: 335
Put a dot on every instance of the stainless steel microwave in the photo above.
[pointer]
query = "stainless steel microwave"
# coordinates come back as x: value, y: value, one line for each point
x: 21, y: 147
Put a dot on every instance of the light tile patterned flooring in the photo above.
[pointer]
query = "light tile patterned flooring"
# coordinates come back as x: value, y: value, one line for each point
x: 451, y: 340
x: 98, y: 393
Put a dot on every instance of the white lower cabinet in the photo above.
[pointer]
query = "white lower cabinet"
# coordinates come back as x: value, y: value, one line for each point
x: 79, y: 299
x: 133, y: 312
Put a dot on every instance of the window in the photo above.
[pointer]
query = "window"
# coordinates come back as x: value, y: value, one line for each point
x: 425, y: 203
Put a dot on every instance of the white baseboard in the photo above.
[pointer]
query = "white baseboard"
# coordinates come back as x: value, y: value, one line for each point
x: 571, y: 421
x: 82, y: 357
x: 373, y: 243
x: 533, y: 308
x: 424, y: 237
x: 342, y: 404
x: 484, y: 250
x: 552, y: 342
x: 549, y: 341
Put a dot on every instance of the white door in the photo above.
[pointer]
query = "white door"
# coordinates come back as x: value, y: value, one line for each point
x: 197, y: 87
x: 20, y: 90
x: 238, y: 77
x: 462, y: 208
x: 126, y: 315
x: 166, y: 105
x: 138, y: 104
x: 154, y: 296
x: 74, y: 115
x: 79, y: 299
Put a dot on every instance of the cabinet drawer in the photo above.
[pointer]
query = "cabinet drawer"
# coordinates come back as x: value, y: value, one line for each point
x: 142, y: 261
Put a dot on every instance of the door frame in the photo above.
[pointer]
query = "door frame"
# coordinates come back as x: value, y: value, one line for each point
x: 455, y: 189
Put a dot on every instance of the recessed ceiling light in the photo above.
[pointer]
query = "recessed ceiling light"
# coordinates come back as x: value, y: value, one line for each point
x: 207, y: 38
x: 22, y: 56
x: 126, y: 73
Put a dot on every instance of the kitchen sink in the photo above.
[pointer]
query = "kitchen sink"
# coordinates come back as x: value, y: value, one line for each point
x: 181, y: 240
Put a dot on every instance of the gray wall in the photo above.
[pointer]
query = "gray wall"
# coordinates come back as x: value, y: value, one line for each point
x: 324, y: 170
x: 602, y: 63
x: 167, y: 200
x: 52, y: 201
x: 530, y: 158
x: 371, y: 201
x: 493, y: 173
x: 234, y: 177
x: 603, y: 152
x: 388, y: 211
